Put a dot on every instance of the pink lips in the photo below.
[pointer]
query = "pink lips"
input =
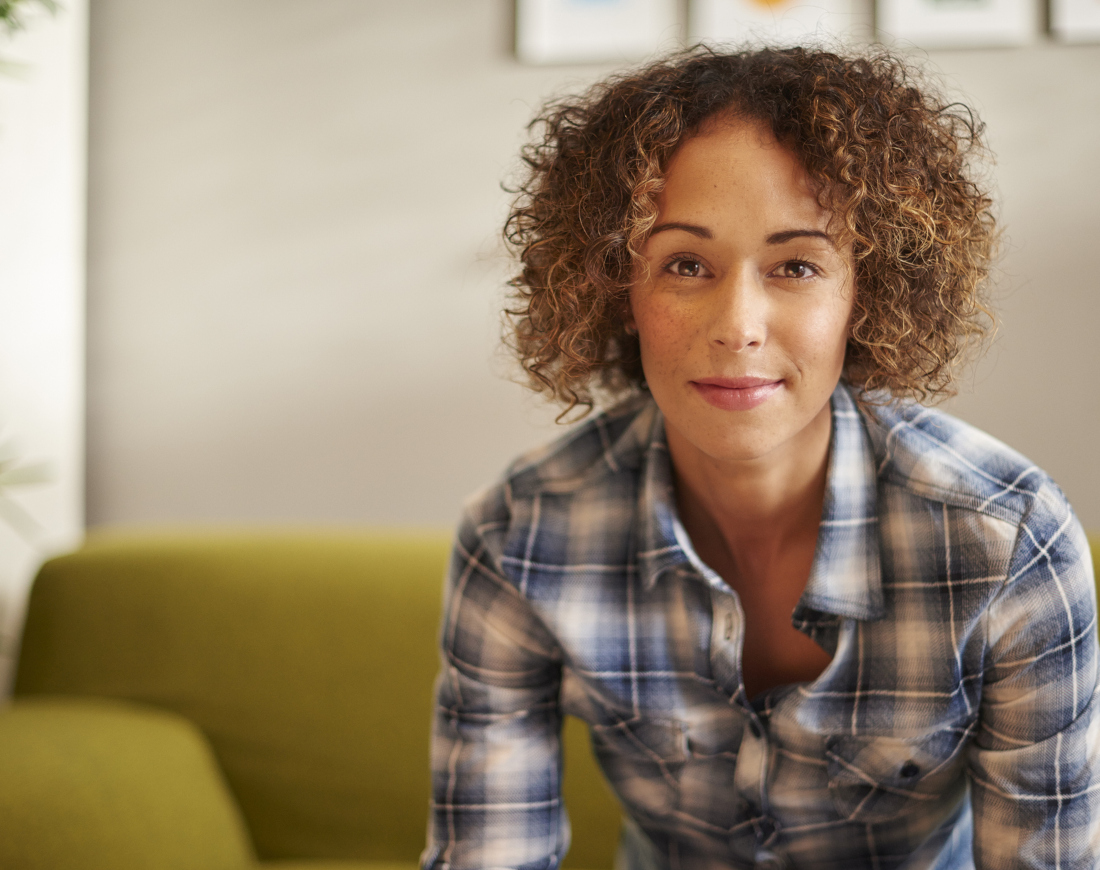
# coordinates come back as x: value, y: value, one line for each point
x: 737, y: 394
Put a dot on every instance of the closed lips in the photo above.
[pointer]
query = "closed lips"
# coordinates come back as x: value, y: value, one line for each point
x: 736, y: 394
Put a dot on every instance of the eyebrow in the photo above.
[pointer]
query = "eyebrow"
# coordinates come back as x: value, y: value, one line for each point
x: 787, y: 235
x: 774, y: 239
x: 694, y: 229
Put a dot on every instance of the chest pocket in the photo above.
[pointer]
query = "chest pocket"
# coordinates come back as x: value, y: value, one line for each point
x: 660, y: 741
x: 873, y: 779
x: 642, y: 758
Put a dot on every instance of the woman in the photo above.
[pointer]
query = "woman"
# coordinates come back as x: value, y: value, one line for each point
x: 810, y: 622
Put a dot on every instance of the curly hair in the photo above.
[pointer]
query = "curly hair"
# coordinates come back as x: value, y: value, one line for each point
x: 891, y: 160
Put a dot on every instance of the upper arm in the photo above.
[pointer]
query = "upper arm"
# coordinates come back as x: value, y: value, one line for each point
x: 1035, y: 761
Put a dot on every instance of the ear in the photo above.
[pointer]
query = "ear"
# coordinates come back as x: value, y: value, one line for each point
x: 630, y: 326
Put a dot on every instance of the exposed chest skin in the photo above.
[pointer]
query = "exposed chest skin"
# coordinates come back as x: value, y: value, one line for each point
x: 774, y: 653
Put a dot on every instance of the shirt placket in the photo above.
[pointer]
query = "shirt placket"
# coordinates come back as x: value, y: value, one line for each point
x: 751, y: 773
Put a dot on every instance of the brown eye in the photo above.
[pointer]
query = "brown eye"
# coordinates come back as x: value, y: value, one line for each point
x: 796, y: 269
x: 687, y: 268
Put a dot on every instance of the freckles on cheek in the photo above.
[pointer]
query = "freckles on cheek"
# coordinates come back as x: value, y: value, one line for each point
x: 665, y: 342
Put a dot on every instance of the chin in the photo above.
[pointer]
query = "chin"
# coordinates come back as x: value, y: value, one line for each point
x: 745, y: 443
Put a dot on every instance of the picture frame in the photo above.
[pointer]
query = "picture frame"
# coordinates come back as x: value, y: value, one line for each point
x: 958, y: 23
x: 594, y: 31
x: 1075, y: 20
x: 776, y: 22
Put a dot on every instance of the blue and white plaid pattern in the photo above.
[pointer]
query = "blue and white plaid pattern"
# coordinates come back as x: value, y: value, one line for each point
x: 954, y: 727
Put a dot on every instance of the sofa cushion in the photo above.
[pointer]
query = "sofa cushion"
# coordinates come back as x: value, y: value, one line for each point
x: 99, y: 785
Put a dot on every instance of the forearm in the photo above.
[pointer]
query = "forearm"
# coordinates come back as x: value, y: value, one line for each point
x: 496, y: 755
x: 496, y: 777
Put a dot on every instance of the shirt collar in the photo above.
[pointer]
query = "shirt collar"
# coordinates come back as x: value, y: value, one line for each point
x: 845, y: 578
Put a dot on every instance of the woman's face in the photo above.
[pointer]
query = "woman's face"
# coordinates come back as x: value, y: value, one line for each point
x: 743, y: 317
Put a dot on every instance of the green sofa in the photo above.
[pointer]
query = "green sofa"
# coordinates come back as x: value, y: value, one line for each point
x: 219, y: 701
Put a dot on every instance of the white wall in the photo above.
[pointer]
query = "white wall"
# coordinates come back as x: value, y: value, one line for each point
x: 42, y: 150
x: 295, y: 270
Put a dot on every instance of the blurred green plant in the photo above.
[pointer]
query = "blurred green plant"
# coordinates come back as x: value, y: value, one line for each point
x: 12, y: 21
x: 11, y: 12
x: 14, y: 471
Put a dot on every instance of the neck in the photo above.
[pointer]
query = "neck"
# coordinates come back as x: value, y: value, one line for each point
x: 762, y: 503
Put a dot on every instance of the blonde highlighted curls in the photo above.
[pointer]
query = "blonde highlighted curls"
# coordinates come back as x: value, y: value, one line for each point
x: 892, y: 161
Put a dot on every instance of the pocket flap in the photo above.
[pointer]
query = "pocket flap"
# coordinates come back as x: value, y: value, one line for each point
x: 874, y: 778
x: 891, y: 761
x: 660, y: 740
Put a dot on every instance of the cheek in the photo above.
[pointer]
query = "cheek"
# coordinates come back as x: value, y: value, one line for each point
x: 823, y: 334
x: 831, y: 333
x: 666, y: 335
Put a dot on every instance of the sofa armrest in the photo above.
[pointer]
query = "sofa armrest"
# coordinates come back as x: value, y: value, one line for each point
x: 97, y: 785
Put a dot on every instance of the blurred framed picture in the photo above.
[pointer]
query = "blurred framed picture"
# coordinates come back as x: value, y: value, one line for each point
x: 958, y: 23
x: 1075, y: 20
x: 593, y: 31
x: 774, y: 22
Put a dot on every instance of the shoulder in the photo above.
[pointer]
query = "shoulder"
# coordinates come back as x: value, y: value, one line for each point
x: 609, y: 442
x: 998, y: 499
x: 940, y: 458
x: 591, y: 461
x: 1004, y: 519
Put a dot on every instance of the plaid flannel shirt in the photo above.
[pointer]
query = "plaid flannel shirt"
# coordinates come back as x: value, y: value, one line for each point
x: 954, y: 727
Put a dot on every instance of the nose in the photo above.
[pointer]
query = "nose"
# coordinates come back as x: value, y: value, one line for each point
x: 738, y: 319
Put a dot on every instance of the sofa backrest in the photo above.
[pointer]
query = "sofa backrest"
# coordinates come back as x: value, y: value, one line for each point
x: 307, y: 660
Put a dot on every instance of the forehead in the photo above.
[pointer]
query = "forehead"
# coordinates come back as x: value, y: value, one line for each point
x: 734, y: 165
